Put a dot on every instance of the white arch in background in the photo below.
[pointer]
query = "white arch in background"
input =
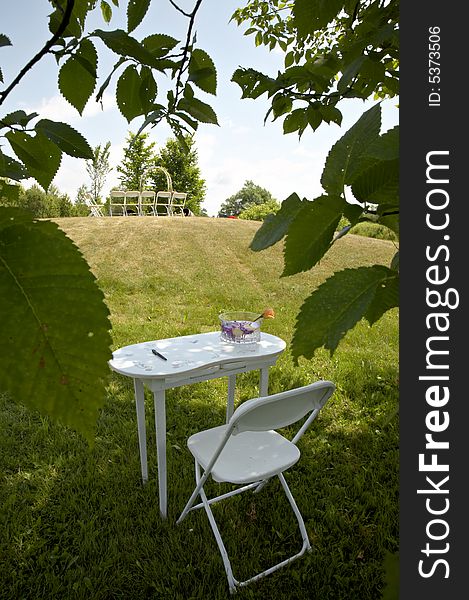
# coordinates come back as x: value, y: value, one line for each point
x: 169, y: 181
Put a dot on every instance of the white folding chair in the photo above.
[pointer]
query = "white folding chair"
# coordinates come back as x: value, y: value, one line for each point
x: 147, y: 202
x: 178, y: 201
x: 117, y: 203
x: 132, y: 203
x: 248, y: 451
x: 163, y: 200
x: 95, y: 209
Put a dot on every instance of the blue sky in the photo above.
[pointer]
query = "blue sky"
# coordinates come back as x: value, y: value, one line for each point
x: 241, y: 148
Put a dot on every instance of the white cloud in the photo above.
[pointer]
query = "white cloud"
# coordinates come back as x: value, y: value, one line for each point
x: 280, y: 175
x: 58, y: 109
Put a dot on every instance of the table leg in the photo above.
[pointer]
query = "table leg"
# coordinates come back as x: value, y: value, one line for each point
x: 160, y: 422
x: 231, y: 396
x: 263, y: 391
x: 142, y: 434
x: 264, y: 382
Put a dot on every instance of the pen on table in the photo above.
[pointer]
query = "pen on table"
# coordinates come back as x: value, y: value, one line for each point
x: 156, y: 353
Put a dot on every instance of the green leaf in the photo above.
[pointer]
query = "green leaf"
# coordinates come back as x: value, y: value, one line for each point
x: 4, y: 40
x: 330, y: 113
x: 335, y: 307
x: 385, y: 298
x: 352, y: 212
x: 18, y: 117
x: 346, y: 158
x: 77, y: 77
x: 379, y: 184
x: 311, y: 15
x: 55, y: 341
x: 391, y: 222
x: 253, y: 83
x: 191, y: 122
x: 202, y: 71
x: 40, y: 156
x: 136, y: 10
x: 295, y: 120
x: 128, y: 93
x: 107, y: 81
x: 76, y: 24
x: 66, y: 138
x: 106, y: 11
x: 153, y: 117
x: 349, y: 73
x: 159, y: 44
x: 123, y: 44
x: 275, y: 227
x: 9, y: 194
x: 386, y: 147
x: 11, y: 168
x: 199, y: 110
x: 148, y: 89
x: 311, y: 233
x: 281, y: 104
x: 73, y: 28
x: 314, y: 116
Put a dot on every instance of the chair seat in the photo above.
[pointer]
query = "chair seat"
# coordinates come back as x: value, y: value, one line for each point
x: 247, y: 457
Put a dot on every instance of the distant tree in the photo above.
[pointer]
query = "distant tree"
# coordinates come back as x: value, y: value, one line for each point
x: 258, y: 212
x: 139, y: 158
x: 80, y: 209
x: 45, y: 204
x: 82, y: 192
x: 249, y: 194
x: 98, y: 168
x: 182, y: 165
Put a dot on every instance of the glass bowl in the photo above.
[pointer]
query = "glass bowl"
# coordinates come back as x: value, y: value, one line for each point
x: 240, y: 327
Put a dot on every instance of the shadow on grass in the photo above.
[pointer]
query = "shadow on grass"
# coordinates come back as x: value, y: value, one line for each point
x: 77, y: 523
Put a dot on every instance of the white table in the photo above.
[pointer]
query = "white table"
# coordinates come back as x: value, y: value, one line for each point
x: 190, y: 359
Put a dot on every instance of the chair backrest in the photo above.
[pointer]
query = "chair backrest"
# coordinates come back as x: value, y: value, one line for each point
x: 179, y: 198
x: 163, y: 196
x: 280, y: 410
x: 117, y: 193
x: 147, y: 194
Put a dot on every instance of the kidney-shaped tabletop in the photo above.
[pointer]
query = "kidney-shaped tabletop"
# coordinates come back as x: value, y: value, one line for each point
x: 189, y: 354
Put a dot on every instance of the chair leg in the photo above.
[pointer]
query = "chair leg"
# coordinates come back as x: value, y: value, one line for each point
x: 233, y: 583
x: 299, y: 518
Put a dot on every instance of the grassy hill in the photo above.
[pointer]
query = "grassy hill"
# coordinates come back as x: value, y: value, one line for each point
x: 78, y: 524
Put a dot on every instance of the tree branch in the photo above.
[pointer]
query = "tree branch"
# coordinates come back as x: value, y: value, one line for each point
x: 186, y: 47
x: 47, y: 46
x: 180, y: 9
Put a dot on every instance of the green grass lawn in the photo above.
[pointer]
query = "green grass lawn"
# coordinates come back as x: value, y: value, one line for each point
x: 77, y: 523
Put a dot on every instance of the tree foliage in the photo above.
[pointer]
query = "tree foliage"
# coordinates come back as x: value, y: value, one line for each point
x: 98, y: 168
x: 138, y: 161
x: 48, y: 366
x: 34, y: 148
x: 258, y: 212
x: 366, y: 161
x: 182, y: 164
x: 332, y: 50
x: 41, y: 204
x: 249, y: 195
